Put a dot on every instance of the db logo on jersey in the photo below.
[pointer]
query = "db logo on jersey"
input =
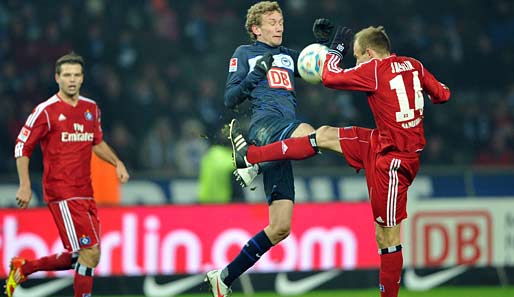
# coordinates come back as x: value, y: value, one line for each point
x: 279, y: 79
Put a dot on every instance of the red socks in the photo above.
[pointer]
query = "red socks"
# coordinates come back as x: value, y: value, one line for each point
x: 61, y: 261
x: 83, y: 281
x: 297, y: 148
x: 390, y: 273
x: 82, y: 285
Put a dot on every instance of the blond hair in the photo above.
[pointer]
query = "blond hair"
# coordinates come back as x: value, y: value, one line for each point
x: 374, y: 38
x: 255, y: 13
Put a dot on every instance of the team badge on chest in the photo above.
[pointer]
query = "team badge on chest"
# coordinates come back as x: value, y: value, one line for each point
x: 88, y: 115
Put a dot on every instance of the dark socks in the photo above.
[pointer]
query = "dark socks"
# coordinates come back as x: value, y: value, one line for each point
x: 249, y: 255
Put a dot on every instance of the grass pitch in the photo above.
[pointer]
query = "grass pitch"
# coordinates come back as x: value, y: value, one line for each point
x: 438, y: 292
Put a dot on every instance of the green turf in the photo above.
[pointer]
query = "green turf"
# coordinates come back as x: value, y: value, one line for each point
x: 438, y: 292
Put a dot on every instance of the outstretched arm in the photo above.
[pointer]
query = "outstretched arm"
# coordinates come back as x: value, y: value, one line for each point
x: 105, y: 152
x: 359, y: 78
x: 437, y: 91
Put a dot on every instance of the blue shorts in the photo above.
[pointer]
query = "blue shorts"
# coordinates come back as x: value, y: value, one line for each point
x: 277, y: 176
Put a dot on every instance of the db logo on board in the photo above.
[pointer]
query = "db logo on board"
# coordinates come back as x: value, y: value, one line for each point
x: 279, y: 79
x: 447, y: 238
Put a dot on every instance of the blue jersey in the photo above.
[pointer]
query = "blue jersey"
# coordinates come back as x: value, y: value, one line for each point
x: 272, y: 95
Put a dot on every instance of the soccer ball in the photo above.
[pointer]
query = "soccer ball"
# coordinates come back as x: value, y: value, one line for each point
x: 310, y: 62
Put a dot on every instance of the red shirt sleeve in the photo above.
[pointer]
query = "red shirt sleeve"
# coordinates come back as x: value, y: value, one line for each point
x: 98, y: 127
x: 35, y: 128
x: 436, y: 91
x: 362, y: 77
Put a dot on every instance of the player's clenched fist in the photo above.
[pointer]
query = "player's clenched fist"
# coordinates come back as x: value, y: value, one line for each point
x: 263, y: 65
x: 122, y: 172
x: 23, y: 196
x: 341, y: 41
x: 322, y: 28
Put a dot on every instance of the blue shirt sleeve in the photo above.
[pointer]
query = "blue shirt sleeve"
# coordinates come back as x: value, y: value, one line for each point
x: 240, y: 83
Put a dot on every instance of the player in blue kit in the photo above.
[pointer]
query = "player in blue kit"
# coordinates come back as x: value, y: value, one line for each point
x: 263, y: 72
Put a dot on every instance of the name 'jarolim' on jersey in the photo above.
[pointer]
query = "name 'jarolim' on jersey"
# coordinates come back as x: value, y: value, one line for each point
x: 396, y: 100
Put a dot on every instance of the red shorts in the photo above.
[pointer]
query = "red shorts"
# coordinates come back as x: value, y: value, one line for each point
x: 388, y: 175
x: 77, y: 221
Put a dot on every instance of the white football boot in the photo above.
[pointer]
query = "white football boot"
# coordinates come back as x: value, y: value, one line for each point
x: 218, y: 287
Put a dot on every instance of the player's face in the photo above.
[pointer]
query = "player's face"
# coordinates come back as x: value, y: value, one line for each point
x: 271, y: 29
x: 70, y: 79
x: 360, y: 56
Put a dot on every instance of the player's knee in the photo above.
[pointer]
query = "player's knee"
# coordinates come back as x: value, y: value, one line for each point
x: 308, y: 128
x: 387, y: 239
x: 90, y: 256
x: 95, y: 257
x: 281, y: 231
x: 302, y: 130
x: 379, y: 237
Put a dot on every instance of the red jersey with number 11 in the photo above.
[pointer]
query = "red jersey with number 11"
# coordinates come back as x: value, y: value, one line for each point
x: 395, y: 87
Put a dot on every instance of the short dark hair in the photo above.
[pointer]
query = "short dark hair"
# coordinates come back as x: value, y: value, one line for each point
x: 71, y: 58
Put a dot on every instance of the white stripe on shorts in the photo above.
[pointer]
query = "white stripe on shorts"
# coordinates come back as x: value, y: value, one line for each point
x: 392, y: 193
x: 68, y: 224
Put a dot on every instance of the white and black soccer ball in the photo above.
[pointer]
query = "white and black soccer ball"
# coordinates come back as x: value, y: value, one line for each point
x: 310, y: 62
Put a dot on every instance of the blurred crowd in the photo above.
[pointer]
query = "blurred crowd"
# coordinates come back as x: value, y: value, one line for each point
x: 157, y: 69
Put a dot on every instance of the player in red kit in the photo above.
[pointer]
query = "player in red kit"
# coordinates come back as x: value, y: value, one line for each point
x: 389, y: 153
x: 68, y: 127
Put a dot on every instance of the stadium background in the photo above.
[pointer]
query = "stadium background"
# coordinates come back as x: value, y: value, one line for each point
x: 157, y: 69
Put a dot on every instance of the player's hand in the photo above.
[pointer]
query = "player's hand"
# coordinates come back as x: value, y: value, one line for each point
x: 341, y: 41
x: 122, y: 172
x: 263, y: 65
x: 23, y: 196
x: 322, y: 28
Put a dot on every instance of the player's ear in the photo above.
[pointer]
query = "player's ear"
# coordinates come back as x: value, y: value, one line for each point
x: 256, y: 30
x: 56, y: 77
x: 370, y: 53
